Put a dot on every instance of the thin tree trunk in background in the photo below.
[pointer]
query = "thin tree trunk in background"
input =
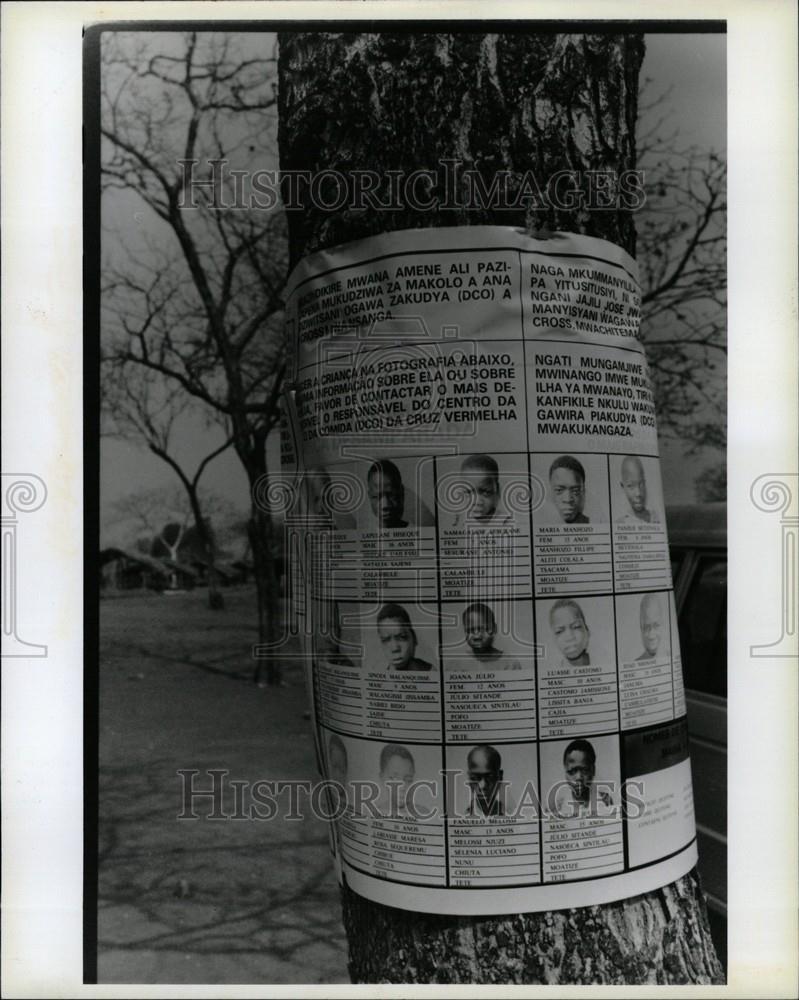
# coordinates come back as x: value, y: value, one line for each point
x: 216, y: 601
x: 512, y: 102
x: 251, y: 450
x: 268, y: 671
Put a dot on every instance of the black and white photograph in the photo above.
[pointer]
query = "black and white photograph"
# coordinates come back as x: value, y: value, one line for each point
x: 399, y: 494
x: 576, y: 632
x: 480, y: 491
x: 493, y: 780
x: 295, y: 298
x: 333, y: 496
x: 644, y: 627
x: 489, y: 636
x: 406, y: 778
x: 575, y: 489
x: 581, y: 778
x: 399, y: 638
x: 192, y: 346
x: 635, y: 487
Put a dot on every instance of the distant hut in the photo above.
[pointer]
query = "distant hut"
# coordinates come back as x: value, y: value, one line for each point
x: 226, y: 574
x: 127, y: 570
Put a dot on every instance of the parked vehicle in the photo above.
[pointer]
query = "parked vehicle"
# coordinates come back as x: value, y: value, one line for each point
x: 698, y: 543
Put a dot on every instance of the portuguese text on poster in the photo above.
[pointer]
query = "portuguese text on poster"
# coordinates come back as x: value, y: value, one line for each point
x: 483, y: 582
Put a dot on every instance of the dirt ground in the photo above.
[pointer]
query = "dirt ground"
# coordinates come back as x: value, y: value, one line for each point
x: 204, y: 901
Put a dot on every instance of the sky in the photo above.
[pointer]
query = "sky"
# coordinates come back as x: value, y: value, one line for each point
x: 688, y: 69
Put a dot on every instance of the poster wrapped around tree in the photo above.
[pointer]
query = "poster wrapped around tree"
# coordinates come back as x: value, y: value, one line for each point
x: 486, y: 600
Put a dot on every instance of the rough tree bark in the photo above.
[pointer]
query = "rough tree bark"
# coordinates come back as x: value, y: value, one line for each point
x: 494, y: 102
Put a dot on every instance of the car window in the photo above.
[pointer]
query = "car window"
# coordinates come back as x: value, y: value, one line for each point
x: 703, y: 627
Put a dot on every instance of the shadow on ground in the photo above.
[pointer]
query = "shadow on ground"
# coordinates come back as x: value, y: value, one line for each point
x: 205, y: 900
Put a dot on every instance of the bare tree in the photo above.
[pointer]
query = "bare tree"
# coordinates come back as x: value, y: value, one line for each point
x: 682, y: 257
x: 163, y: 514
x: 140, y: 404
x: 192, y: 292
x: 145, y: 511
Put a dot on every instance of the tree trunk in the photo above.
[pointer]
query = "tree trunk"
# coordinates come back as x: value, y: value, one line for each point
x: 216, y: 602
x: 494, y: 102
x: 251, y: 449
x: 267, y: 666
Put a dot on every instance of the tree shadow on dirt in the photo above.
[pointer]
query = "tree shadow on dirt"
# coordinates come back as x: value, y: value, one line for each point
x: 206, y: 887
x: 223, y: 665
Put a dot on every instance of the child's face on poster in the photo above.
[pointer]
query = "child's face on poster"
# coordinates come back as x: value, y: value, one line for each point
x: 397, y: 642
x: 570, y: 632
x: 579, y: 774
x: 482, y: 491
x: 568, y: 493
x: 386, y: 497
x: 479, y: 631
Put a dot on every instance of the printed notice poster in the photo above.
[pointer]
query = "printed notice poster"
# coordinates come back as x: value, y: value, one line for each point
x: 480, y: 572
